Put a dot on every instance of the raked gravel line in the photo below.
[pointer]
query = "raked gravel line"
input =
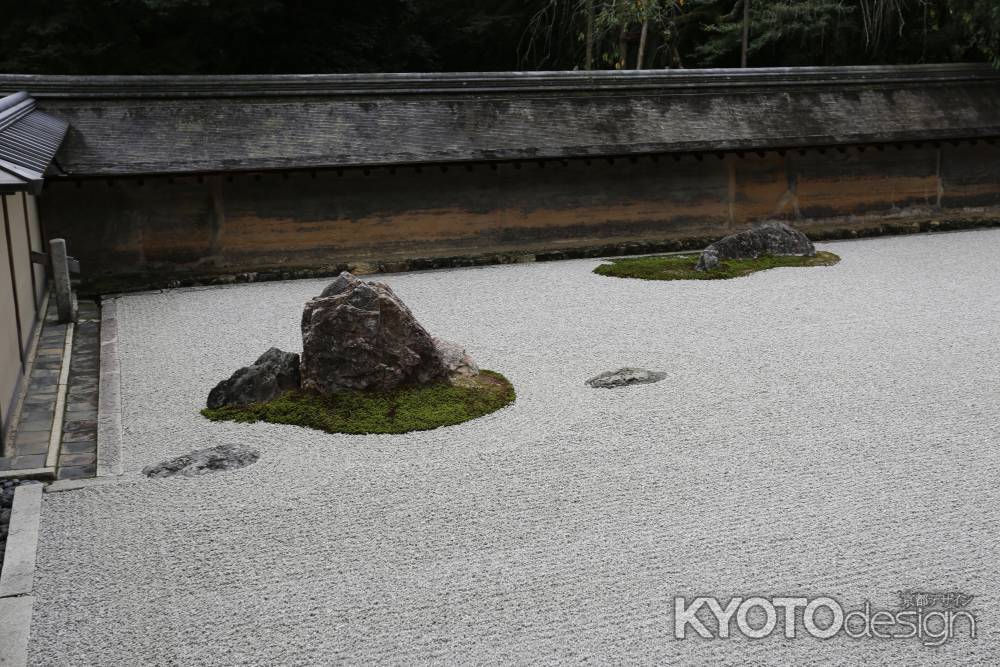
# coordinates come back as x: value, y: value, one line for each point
x: 822, y: 431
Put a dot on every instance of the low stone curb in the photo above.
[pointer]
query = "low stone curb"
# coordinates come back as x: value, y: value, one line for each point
x: 15, y: 627
x: 55, y: 435
x: 109, y: 407
x: 18, y: 572
x: 77, y: 484
x: 29, y: 473
x: 18, y: 575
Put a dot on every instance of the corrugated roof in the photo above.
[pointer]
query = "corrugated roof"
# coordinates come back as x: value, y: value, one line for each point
x: 29, y: 140
x: 186, y: 124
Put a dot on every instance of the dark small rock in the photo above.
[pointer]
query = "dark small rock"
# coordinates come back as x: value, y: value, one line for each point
x: 624, y: 377
x: 205, y: 461
x: 769, y: 238
x: 274, y: 373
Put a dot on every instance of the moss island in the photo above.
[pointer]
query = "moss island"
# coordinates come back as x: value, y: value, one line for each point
x: 681, y: 267
x: 399, y: 411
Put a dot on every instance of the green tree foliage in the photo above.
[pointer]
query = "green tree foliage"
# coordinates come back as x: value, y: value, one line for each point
x: 627, y: 34
x: 846, y: 32
x: 794, y: 32
x: 475, y: 36
x: 620, y: 19
x: 981, y: 22
x: 271, y: 36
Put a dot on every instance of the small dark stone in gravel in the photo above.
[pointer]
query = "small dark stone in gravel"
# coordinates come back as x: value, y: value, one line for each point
x: 205, y: 461
x: 624, y: 377
x: 274, y: 373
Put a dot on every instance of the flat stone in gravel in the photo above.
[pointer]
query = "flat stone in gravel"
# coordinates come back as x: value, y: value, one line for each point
x: 205, y: 461
x: 624, y: 377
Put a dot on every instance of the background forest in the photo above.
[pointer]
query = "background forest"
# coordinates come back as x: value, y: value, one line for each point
x: 275, y: 36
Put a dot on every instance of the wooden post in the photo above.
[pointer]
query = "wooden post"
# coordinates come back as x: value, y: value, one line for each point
x: 642, y: 44
x: 65, y: 299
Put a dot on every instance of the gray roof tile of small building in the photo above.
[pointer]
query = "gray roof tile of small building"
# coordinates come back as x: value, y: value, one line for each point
x: 29, y: 140
x: 189, y: 124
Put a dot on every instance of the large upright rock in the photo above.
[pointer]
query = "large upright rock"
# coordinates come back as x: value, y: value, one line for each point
x: 359, y: 335
x: 769, y: 238
x: 220, y: 458
x: 274, y: 373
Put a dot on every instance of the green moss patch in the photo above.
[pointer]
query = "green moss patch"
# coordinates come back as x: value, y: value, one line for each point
x: 400, y: 411
x: 681, y: 267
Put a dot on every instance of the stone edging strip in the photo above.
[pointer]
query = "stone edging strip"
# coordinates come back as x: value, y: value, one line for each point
x: 55, y: 435
x: 29, y: 473
x: 22, y: 539
x: 18, y: 575
x: 109, y: 407
x: 77, y: 484
x: 15, y: 626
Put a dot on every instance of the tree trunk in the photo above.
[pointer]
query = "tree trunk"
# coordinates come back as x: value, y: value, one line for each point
x: 746, y: 32
x: 642, y: 44
x: 622, y: 47
x: 590, y: 35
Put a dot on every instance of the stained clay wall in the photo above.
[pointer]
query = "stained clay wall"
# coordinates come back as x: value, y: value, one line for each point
x: 232, y: 223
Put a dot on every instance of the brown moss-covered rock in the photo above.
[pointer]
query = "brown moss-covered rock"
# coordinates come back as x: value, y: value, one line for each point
x: 358, y: 335
x: 769, y: 238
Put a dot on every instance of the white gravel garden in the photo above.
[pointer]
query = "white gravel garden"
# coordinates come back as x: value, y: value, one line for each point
x: 825, y: 430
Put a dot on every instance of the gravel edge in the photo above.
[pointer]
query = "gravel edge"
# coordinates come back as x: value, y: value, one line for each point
x: 109, y: 408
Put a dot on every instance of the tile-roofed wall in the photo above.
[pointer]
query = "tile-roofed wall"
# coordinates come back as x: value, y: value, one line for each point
x: 174, y: 125
x: 29, y: 140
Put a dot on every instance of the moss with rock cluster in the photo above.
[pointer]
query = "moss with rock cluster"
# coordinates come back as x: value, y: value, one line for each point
x: 682, y: 267
x: 399, y: 411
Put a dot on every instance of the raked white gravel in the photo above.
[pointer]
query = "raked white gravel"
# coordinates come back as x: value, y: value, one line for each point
x: 821, y: 431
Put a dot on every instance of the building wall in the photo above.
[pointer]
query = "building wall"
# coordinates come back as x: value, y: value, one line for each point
x: 22, y: 287
x: 199, y: 225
